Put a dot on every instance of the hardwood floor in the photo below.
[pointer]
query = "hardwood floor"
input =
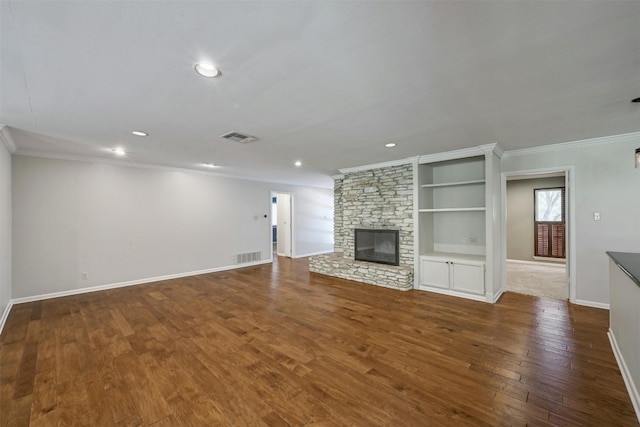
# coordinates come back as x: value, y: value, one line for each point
x: 276, y: 346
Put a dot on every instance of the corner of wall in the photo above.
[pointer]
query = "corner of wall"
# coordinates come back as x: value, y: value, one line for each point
x: 7, y: 139
x: 5, y: 315
x: 634, y: 395
x: 6, y: 148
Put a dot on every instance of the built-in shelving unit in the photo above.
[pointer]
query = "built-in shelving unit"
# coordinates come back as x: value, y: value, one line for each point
x: 454, y: 222
x: 451, y: 203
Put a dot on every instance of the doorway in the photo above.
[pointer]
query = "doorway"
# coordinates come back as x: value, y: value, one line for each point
x: 281, y: 227
x: 537, y: 225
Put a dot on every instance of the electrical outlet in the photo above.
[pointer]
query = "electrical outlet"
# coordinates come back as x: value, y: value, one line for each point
x: 465, y: 240
x: 85, y: 275
x: 596, y: 216
x: 473, y: 240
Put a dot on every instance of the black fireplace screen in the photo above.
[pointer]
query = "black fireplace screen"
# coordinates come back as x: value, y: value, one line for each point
x: 379, y: 246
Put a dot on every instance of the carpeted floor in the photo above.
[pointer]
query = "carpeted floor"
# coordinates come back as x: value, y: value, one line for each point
x: 538, y: 279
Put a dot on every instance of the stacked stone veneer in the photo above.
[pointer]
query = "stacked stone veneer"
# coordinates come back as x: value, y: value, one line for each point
x: 378, y: 198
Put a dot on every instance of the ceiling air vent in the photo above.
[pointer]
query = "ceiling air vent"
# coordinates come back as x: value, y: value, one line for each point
x: 238, y: 137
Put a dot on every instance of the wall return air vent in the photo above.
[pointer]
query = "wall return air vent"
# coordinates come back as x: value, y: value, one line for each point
x: 248, y: 257
x: 238, y: 137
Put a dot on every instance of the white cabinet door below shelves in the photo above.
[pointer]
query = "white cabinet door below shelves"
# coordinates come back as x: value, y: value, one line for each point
x: 434, y: 273
x: 467, y: 277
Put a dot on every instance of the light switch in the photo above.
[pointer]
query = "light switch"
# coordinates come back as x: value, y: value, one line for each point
x: 596, y: 216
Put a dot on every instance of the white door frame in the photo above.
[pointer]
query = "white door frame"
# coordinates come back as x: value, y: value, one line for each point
x: 569, y: 180
x: 275, y: 193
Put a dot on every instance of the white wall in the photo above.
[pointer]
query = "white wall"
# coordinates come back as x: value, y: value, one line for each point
x: 606, y: 182
x: 122, y: 224
x: 312, y: 220
x: 5, y: 230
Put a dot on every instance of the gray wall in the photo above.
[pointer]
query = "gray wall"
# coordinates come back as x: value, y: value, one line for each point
x: 606, y: 182
x: 122, y: 224
x: 520, y: 239
x: 5, y: 229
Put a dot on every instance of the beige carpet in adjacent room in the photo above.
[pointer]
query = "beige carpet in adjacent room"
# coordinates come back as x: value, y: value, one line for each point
x: 538, y: 279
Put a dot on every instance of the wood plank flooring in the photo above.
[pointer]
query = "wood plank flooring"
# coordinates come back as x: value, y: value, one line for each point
x: 278, y: 346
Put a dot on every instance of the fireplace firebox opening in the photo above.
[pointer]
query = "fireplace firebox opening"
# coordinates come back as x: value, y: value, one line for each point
x: 377, y: 245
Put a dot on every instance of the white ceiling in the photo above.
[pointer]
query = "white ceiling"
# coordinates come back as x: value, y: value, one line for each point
x: 328, y: 83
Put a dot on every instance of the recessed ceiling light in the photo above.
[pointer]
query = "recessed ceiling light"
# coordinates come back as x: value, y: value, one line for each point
x: 207, y: 69
x: 119, y: 151
x: 139, y: 133
x: 210, y: 165
x: 297, y: 163
x: 390, y: 145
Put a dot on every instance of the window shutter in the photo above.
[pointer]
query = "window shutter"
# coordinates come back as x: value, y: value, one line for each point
x: 557, y: 240
x: 542, y: 247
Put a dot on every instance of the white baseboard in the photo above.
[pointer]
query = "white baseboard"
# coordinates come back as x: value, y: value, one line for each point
x: 626, y: 375
x: 591, y: 304
x: 5, y: 315
x: 121, y: 285
x: 498, y: 295
x: 546, y: 264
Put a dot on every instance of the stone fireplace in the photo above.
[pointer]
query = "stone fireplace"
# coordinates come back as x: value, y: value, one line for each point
x: 375, y: 199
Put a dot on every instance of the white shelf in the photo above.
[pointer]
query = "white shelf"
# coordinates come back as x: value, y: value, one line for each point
x: 479, y: 209
x: 480, y: 259
x: 452, y: 184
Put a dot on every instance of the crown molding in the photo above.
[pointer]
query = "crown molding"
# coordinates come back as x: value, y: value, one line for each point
x: 6, y: 138
x: 414, y: 159
x: 488, y: 148
x: 391, y: 163
x: 480, y: 150
x: 493, y: 148
x: 452, y: 155
x: 574, y: 144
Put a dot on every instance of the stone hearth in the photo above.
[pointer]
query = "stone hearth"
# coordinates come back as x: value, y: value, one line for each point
x: 389, y: 276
